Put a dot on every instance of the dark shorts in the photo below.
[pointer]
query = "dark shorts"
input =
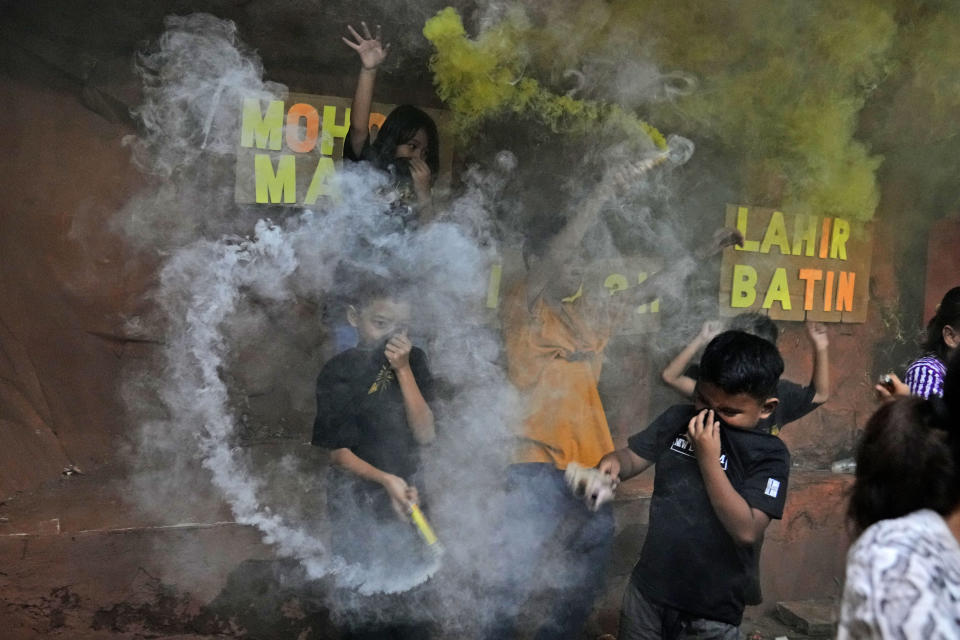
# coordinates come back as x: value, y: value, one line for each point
x: 557, y: 555
x: 641, y: 619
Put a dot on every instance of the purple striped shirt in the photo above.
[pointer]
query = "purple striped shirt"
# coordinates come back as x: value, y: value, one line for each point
x: 925, y: 377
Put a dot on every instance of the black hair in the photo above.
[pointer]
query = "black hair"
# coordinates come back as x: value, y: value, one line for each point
x: 362, y: 288
x: 948, y: 313
x: 756, y: 324
x: 400, y: 127
x: 909, y: 457
x: 738, y: 362
x: 903, y: 464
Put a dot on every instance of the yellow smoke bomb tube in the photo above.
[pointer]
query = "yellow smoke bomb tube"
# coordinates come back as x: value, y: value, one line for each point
x: 426, y: 531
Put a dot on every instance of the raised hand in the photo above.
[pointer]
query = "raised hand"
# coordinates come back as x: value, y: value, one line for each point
x: 726, y: 237
x: 710, y: 330
x: 817, y: 332
x: 368, y: 47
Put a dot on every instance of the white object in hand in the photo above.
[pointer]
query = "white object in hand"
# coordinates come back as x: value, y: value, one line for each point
x: 596, y: 488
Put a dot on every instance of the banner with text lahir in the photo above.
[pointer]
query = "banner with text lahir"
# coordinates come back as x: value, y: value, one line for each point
x: 796, y: 266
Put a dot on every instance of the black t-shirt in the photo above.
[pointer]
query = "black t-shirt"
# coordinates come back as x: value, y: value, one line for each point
x: 689, y: 561
x: 360, y: 407
x: 399, y: 194
x: 796, y: 401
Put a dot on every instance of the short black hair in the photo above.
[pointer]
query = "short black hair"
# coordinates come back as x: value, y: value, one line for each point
x: 756, y: 324
x: 367, y: 287
x: 738, y: 362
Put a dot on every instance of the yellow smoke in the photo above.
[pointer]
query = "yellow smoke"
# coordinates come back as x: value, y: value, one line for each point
x: 487, y: 76
x: 782, y: 87
x: 780, y: 84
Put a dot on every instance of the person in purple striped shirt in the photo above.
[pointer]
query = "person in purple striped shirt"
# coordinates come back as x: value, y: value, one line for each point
x: 925, y: 376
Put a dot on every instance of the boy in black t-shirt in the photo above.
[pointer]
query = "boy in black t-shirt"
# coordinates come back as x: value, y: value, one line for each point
x: 718, y: 484
x: 373, y: 415
x: 795, y: 400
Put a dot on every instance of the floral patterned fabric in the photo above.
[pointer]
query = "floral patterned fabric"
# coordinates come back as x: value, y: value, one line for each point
x: 903, y: 581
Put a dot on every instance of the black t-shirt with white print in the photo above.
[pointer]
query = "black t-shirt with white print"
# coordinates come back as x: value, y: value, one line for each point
x: 689, y: 562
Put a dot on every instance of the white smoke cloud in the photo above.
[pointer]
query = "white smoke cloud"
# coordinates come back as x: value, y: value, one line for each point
x: 201, y: 288
x: 195, y: 80
x: 229, y: 278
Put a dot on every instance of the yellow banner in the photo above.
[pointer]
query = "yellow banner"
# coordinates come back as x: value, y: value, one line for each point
x: 796, y: 266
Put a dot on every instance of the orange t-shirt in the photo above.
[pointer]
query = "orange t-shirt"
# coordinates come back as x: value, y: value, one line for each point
x: 554, y: 357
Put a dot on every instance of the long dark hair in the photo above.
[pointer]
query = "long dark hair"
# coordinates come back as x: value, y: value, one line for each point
x: 401, y: 126
x: 909, y: 457
x: 948, y: 313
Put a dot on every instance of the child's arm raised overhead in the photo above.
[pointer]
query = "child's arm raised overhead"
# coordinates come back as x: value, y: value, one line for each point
x: 562, y: 245
x: 744, y: 523
x: 817, y: 332
x: 419, y: 414
x: 654, y: 286
x: 569, y: 238
x: 673, y: 374
x: 371, y: 53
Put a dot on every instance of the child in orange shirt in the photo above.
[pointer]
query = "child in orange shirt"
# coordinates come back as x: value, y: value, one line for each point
x: 555, y: 333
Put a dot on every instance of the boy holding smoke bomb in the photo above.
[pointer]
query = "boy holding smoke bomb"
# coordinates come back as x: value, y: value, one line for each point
x: 374, y: 417
x: 719, y: 481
